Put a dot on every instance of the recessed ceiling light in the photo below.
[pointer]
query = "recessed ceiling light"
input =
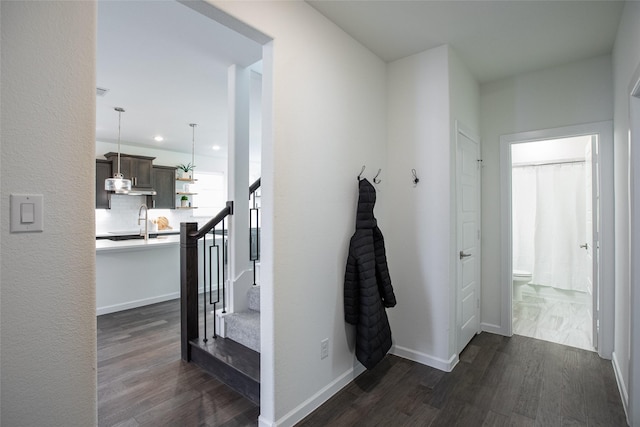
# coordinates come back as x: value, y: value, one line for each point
x: 216, y: 147
x: 158, y: 138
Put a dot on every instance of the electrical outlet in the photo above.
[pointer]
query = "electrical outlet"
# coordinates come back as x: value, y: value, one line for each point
x: 324, y: 348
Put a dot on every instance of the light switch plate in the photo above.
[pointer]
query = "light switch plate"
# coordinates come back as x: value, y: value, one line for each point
x: 26, y: 213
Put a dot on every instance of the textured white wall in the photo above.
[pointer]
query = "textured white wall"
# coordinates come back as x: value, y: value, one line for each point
x: 626, y: 60
x: 571, y: 94
x: 48, y: 298
x: 328, y: 120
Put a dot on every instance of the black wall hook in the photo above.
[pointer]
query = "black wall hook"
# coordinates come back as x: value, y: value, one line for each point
x: 375, y: 178
x: 361, y: 171
x: 415, y: 177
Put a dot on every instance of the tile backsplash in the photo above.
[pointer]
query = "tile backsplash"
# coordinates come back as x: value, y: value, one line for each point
x: 123, y: 215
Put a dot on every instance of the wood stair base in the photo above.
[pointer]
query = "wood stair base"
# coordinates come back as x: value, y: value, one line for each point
x: 234, y: 364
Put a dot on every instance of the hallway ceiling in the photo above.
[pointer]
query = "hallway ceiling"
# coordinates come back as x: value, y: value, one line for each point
x: 166, y: 64
x: 495, y: 39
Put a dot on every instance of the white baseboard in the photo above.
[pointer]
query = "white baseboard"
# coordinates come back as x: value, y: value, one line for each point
x: 311, y: 404
x: 137, y: 303
x: 264, y: 423
x: 493, y: 329
x: 425, y: 359
x: 624, y: 395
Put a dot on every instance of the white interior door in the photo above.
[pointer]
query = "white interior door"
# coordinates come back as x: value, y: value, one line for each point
x: 587, y: 245
x: 468, y: 237
x: 593, y: 224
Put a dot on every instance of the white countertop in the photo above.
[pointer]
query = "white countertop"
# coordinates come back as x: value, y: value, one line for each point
x: 137, y: 244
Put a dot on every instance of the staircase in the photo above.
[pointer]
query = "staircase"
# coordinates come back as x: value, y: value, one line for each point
x: 232, y: 356
x: 244, y: 327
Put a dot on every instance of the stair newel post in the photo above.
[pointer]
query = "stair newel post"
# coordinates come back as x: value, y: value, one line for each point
x: 188, y: 287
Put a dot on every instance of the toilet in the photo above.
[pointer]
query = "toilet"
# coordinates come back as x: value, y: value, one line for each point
x: 520, y: 278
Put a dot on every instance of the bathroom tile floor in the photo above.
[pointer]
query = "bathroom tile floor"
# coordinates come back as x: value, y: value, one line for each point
x: 557, y: 321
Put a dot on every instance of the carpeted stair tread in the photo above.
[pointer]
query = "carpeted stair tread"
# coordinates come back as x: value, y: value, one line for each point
x: 244, y: 328
x: 253, y: 297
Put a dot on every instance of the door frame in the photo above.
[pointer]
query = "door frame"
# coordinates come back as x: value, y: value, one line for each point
x: 633, y: 406
x: 605, y: 314
x: 462, y: 130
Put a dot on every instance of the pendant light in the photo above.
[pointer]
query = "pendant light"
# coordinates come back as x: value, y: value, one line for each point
x: 118, y: 183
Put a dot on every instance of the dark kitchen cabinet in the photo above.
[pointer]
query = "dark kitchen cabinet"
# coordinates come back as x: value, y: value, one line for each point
x: 103, y: 171
x: 164, y: 182
x: 136, y: 168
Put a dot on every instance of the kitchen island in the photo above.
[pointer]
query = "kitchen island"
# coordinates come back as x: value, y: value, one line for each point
x: 134, y: 273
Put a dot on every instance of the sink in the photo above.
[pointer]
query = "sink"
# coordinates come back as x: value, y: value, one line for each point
x: 124, y: 232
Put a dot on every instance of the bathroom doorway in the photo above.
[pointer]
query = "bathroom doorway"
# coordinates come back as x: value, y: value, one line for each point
x: 556, y: 201
x: 553, y: 248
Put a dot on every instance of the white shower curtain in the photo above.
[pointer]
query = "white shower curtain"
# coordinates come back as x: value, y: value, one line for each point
x: 549, y: 224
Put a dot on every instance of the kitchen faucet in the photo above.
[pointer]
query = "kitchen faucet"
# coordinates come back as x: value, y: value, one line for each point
x: 146, y: 221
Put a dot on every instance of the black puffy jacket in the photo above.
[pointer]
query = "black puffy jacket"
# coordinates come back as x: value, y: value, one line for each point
x: 367, y: 285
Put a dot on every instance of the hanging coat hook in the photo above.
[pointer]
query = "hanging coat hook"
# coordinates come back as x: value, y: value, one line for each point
x: 375, y: 178
x: 361, y: 171
x: 415, y: 177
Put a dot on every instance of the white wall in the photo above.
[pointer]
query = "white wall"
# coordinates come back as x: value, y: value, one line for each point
x: 48, y: 298
x: 465, y: 96
x: 427, y: 93
x: 571, y: 94
x: 553, y: 150
x: 417, y: 237
x: 626, y: 60
x: 328, y: 120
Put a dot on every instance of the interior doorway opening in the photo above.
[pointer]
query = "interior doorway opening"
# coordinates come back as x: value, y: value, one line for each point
x: 602, y: 248
x: 554, y: 239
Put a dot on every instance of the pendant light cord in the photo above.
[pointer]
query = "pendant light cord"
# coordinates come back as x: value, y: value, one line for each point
x: 193, y: 144
x: 120, y: 111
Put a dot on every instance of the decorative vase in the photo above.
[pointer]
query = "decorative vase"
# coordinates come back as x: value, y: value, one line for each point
x: 183, y: 203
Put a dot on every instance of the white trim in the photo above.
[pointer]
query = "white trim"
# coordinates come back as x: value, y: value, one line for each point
x: 606, y: 282
x: 620, y: 381
x: 135, y: 304
x: 491, y: 328
x: 140, y: 302
x: 506, y: 240
x: 314, y: 402
x: 464, y: 131
x: 267, y: 304
x: 425, y: 359
x: 633, y: 412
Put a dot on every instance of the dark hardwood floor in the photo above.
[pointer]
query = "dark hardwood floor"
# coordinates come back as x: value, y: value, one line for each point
x: 143, y: 382
x: 499, y: 381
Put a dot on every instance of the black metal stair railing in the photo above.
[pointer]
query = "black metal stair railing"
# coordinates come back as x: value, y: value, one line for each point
x: 214, y: 269
x: 190, y: 238
x: 254, y: 227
